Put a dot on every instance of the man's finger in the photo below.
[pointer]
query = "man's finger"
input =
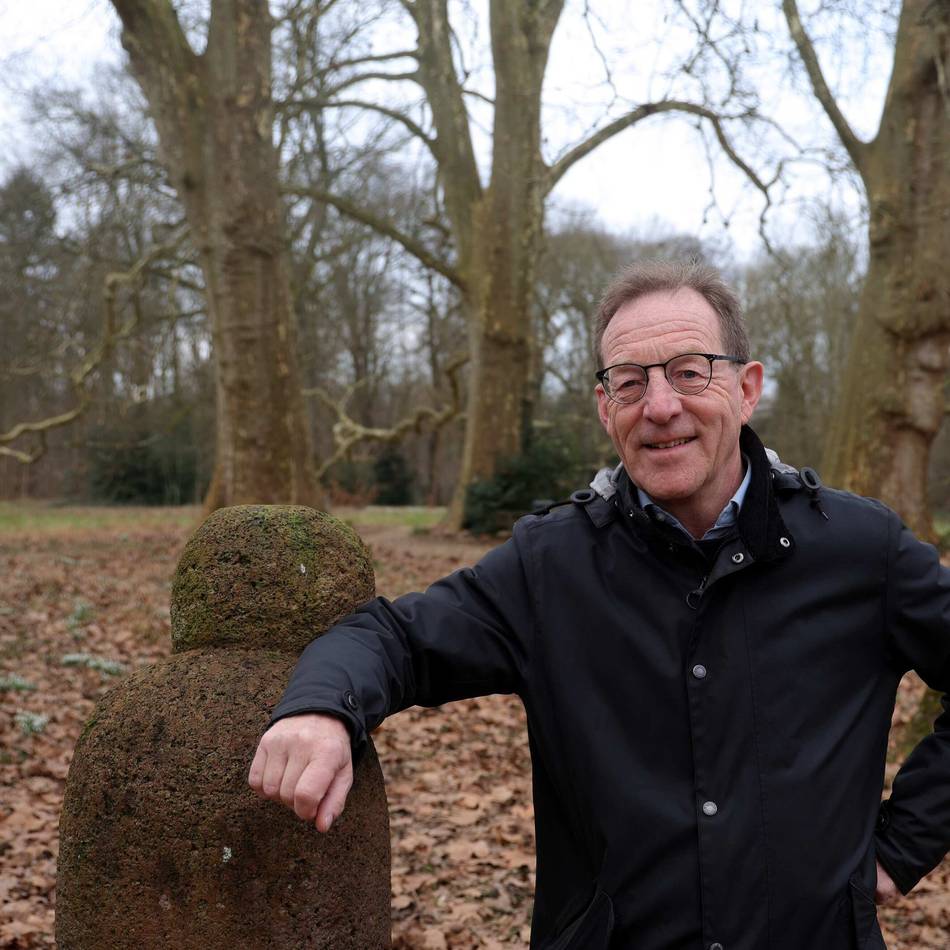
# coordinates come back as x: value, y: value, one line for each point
x: 255, y: 777
x: 335, y: 798
x: 312, y: 787
x: 273, y: 773
x: 288, y: 784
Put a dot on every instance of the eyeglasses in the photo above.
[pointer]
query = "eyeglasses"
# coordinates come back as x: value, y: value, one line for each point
x: 689, y: 374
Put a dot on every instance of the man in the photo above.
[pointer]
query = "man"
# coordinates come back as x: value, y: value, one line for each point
x: 708, y: 649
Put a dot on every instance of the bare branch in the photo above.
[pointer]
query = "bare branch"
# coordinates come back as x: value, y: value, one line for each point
x: 317, y: 103
x: 733, y: 156
x: 111, y: 334
x: 853, y: 145
x: 582, y: 149
x: 608, y: 75
x: 475, y: 94
x: 348, y: 433
x: 412, y: 76
x: 382, y: 226
x: 153, y: 37
x: 378, y: 58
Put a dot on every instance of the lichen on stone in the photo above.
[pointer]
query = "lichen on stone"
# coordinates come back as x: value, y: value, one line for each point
x: 267, y: 576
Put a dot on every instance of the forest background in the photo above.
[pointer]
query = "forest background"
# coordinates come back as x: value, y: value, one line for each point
x: 325, y: 255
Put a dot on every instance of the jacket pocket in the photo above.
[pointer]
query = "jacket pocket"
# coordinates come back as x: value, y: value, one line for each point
x: 867, y: 930
x: 590, y: 929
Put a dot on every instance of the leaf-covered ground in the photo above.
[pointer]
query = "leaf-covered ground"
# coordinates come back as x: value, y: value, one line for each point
x: 84, y: 598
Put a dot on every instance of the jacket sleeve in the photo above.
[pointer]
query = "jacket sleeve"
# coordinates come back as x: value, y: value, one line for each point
x: 467, y: 635
x: 914, y: 830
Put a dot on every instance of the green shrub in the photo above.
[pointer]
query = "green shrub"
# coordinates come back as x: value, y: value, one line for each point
x: 393, y: 478
x: 549, y: 468
x: 149, y: 456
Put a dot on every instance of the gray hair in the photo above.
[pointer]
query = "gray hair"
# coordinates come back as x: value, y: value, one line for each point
x: 647, y: 277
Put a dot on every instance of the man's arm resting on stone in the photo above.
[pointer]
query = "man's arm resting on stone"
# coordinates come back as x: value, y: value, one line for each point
x: 466, y: 636
x: 305, y: 762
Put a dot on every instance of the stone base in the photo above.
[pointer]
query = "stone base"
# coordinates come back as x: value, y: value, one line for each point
x: 163, y: 844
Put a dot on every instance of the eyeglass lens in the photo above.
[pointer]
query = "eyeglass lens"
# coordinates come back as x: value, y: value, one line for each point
x: 687, y: 374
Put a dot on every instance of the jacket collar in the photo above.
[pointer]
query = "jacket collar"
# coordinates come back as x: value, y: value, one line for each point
x: 760, y: 523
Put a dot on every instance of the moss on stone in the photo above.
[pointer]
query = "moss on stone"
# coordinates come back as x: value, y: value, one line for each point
x: 89, y: 725
x: 267, y: 576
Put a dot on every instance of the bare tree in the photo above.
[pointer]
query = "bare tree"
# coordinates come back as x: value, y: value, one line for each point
x: 893, y: 399
x: 800, y: 305
x: 496, y: 224
x: 214, y: 118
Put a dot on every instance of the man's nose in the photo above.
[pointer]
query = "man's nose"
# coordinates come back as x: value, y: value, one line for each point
x: 661, y: 401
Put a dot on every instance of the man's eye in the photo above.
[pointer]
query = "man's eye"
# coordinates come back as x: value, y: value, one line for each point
x: 627, y: 383
x: 687, y: 375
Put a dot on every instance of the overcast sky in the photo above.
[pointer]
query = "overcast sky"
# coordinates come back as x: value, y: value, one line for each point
x: 651, y: 177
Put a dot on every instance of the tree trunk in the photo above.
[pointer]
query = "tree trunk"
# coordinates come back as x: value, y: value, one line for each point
x: 214, y: 118
x: 893, y: 394
x: 498, y: 230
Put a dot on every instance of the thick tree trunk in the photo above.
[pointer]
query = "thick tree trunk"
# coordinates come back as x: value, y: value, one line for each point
x: 507, y: 242
x: 499, y: 230
x: 214, y: 119
x: 893, y: 394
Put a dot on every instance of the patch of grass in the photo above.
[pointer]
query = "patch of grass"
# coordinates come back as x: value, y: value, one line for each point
x: 416, y: 517
x: 104, y: 666
x: 82, y: 614
x: 50, y: 517
x: 15, y: 684
x: 31, y: 724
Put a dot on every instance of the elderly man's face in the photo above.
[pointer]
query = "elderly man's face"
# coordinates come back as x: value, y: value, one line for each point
x: 683, y: 451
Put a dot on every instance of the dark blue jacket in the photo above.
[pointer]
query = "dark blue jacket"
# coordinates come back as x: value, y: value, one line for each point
x: 708, y: 731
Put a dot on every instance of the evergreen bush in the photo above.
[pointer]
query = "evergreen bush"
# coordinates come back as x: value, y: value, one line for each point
x: 548, y: 468
x: 393, y: 478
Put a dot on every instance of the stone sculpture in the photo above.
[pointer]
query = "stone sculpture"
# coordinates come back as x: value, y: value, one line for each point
x: 162, y: 842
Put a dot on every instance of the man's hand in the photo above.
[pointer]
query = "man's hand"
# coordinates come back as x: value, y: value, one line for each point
x: 305, y: 762
x: 886, y: 891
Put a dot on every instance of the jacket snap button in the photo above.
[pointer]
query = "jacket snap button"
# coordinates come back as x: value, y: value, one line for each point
x: 710, y: 808
x: 785, y: 542
x: 351, y: 701
x: 699, y: 671
x: 738, y: 558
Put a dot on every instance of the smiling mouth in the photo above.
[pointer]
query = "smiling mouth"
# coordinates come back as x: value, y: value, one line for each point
x: 668, y: 445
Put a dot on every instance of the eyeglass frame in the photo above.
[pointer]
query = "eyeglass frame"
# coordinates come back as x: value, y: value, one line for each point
x: 711, y: 357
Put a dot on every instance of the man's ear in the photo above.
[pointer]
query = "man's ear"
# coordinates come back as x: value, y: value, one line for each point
x: 750, y: 382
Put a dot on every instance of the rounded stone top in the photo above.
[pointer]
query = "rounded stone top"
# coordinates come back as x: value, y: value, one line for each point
x: 267, y: 576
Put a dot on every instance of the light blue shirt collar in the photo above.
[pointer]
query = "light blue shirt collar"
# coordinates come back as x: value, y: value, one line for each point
x: 724, y: 523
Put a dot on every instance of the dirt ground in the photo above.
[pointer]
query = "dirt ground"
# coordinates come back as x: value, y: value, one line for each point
x: 84, y: 600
